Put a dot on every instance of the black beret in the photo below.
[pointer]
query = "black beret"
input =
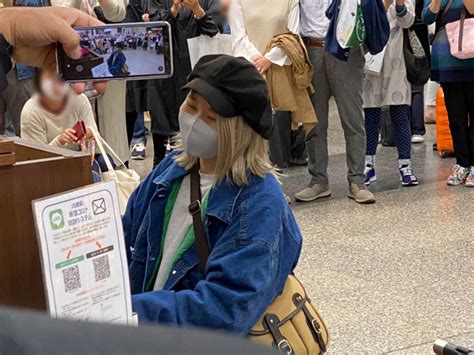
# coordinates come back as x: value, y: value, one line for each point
x: 233, y: 87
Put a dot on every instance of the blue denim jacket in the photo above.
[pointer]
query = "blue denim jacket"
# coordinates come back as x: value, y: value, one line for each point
x: 255, y: 244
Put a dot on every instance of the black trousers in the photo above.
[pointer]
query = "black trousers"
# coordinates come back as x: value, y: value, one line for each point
x: 459, y: 98
x: 417, y: 111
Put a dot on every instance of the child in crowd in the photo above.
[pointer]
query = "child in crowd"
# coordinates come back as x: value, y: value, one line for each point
x: 50, y: 115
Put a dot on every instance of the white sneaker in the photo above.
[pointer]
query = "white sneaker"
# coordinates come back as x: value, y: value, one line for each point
x: 417, y: 139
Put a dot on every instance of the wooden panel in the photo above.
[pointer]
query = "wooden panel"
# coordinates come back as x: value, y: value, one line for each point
x: 21, y: 282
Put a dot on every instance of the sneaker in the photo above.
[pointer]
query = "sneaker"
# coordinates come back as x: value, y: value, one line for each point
x: 370, y: 176
x: 458, y: 176
x: 313, y: 193
x: 417, y: 139
x: 138, y: 151
x: 360, y: 194
x: 470, y: 178
x: 407, y: 177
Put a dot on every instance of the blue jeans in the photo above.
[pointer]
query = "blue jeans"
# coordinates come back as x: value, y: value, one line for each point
x: 140, y: 131
x: 99, y: 166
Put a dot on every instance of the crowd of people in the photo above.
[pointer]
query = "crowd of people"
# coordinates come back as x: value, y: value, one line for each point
x: 240, y: 118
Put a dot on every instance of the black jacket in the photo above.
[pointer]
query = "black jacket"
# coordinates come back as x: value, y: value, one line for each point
x: 166, y: 95
x: 5, y: 63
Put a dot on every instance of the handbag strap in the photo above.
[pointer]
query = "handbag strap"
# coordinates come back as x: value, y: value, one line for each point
x: 461, y: 28
x: 101, y: 143
x: 448, y: 6
x: 195, y: 211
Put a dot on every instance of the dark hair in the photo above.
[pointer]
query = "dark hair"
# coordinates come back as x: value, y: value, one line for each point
x: 85, y: 43
x: 119, y: 45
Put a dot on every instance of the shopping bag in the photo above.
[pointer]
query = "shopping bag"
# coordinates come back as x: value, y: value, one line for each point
x: 127, y: 180
x: 461, y: 36
x: 350, y: 24
x: 205, y: 45
x: 374, y: 63
x: 443, y: 132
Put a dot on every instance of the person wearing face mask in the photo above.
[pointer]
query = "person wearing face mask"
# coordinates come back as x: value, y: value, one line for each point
x: 252, y: 237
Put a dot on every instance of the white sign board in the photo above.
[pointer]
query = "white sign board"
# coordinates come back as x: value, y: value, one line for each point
x: 82, y: 249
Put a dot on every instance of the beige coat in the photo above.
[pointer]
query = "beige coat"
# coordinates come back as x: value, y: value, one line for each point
x: 290, y: 86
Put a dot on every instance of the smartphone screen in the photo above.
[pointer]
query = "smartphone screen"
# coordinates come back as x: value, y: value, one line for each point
x: 133, y: 51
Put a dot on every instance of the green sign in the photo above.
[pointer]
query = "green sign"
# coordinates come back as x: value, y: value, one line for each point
x: 57, y: 219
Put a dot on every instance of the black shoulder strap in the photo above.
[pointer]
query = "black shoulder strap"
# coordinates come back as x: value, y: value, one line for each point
x: 448, y: 6
x: 195, y: 211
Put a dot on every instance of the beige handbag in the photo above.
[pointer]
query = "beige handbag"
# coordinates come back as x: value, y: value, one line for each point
x: 127, y: 180
x: 292, y: 323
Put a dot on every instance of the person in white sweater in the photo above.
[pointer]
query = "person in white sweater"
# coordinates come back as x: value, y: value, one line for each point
x: 50, y: 115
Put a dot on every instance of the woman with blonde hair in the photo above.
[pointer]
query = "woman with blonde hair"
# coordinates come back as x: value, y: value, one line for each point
x: 250, y: 240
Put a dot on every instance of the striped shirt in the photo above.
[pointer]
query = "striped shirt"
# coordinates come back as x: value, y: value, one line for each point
x: 445, y: 67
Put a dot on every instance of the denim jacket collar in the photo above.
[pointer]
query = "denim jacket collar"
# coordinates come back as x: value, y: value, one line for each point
x: 223, y: 197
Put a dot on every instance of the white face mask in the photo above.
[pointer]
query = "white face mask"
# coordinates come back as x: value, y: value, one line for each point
x: 199, y: 139
x: 47, y: 88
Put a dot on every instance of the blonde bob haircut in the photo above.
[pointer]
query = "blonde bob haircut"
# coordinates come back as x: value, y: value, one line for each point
x: 241, y: 150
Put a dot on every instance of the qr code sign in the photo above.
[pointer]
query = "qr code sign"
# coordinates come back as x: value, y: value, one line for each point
x: 72, y: 279
x: 101, y: 268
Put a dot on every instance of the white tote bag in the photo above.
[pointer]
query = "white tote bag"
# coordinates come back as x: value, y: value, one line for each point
x: 127, y: 180
x: 350, y: 30
x: 374, y: 63
x: 205, y: 45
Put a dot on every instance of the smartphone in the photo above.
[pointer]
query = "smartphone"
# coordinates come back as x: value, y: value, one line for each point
x: 132, y: 51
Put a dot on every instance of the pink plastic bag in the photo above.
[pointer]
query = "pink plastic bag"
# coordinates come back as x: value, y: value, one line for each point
x: 461, y: 37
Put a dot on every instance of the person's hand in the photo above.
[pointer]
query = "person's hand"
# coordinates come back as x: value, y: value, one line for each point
x: 89, y: 135
x: 98, y: 88
x: 146, y: 17
x: 34, y: 32
x: 176, y: 7
x: 195, y: 7
x: 68, y: 137
x: 387, y: 3
x: 262, y: 64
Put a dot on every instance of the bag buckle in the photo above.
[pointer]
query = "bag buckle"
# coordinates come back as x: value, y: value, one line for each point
x: 316, y: 326
x: 195, y: 208
x: 285, y: 347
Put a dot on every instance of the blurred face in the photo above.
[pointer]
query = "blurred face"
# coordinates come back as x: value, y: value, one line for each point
x: 52, y: 87
x: 225, y: 5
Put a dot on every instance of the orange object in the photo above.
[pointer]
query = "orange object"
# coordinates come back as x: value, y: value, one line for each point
x: 443, y: 133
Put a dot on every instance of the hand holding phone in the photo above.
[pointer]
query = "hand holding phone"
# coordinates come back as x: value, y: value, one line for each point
x: 80, y: 130
x: 134, y: 51
x: 68, y: 137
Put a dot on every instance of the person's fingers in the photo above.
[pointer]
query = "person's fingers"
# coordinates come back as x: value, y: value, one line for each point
x: 79, y: 88
x: 100, y: 86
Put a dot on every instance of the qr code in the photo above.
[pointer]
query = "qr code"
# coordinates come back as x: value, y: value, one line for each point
x: 72, y: 279
x: 101, y: 268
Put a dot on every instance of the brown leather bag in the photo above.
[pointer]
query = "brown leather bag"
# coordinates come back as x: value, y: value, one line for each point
x: 291, y: 323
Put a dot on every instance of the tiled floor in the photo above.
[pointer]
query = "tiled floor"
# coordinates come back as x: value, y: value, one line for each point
x: 394, y: 276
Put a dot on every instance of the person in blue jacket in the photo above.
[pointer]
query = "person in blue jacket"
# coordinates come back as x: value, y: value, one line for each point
x: 253, y: 238
x: 117, y: 60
